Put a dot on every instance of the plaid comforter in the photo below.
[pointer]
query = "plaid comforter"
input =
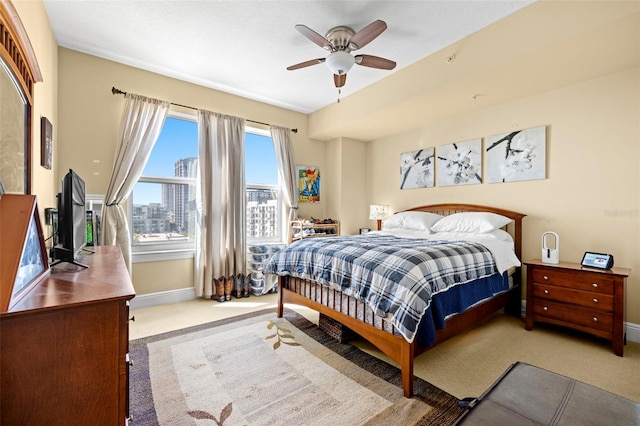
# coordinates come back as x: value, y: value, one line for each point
x: 395, y: 276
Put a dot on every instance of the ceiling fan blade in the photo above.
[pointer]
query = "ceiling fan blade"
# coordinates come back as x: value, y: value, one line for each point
x: 339, y: 80
x: 367, y: 34
x: 306, y: 64
x: 375, y: 62
x: 314, y: 36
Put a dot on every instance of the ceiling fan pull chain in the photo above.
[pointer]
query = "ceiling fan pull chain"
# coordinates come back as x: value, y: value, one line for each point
x: 339, y: 93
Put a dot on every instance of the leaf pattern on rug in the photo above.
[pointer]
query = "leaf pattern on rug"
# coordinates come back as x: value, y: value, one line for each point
x: 281, y: 334
x: 203, y: 415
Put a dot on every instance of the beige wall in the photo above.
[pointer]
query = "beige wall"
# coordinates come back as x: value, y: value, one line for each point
x: 36, y: 23
x: 591, y: 194
x: 346, y: 180
x: 89, y: 126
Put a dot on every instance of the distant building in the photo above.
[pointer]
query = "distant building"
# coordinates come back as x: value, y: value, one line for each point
x: 262, y: 213
x: 183, y: 195
x: 170, y: 219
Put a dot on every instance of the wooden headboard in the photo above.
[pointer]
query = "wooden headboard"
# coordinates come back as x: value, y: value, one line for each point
x: 450, y: 208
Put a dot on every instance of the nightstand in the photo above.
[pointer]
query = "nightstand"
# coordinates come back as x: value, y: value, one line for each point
x: 585, y: 299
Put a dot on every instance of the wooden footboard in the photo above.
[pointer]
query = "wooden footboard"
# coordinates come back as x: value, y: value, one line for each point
x: 393, y: 345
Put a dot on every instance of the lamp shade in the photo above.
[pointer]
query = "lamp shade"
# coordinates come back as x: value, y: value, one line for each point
x: 379, y: 211
x: 340, y: 62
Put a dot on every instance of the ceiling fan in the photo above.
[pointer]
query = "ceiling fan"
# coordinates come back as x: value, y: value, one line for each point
x: 340, y: 41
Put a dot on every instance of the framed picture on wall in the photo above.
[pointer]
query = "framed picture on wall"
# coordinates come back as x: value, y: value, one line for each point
x: 46, y: 143
x: 417, y: 168
x: 308, y: 184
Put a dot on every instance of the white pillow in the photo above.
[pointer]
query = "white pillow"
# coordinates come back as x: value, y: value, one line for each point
x: 478, y: 222
x: 496, y: 234
x: 419, y: 221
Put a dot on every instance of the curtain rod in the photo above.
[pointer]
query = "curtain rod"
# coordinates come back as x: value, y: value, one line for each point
x: 120, y: 92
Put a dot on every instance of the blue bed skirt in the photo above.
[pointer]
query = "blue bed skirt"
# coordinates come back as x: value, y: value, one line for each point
x: 457, y: 299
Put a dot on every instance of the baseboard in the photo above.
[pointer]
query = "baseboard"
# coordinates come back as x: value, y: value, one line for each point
x: 163, y: 298
x: 632, y: 329
x: 633, y: 332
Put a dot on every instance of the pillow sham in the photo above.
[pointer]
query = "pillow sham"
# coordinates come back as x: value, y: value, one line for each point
x: 420, y: 221
x: 479, y: 222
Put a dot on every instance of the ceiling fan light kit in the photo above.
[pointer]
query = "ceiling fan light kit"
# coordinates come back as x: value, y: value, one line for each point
x: 340, y: 62
x: 341, y: 41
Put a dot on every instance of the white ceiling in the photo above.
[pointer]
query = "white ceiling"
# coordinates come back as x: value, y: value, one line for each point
x: 244, y: 47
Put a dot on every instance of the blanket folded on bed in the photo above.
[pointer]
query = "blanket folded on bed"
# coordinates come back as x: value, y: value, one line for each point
x: 396, y: 277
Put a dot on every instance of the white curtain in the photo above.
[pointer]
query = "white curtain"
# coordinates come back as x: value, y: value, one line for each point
x: 220, y: 201
x: 142, y: 123
x: 286, y: 169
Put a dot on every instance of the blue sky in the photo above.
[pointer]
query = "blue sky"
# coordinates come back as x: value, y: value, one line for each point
x: 179, y: 139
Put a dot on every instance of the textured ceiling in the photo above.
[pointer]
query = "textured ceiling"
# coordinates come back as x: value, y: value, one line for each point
x: 244, y: 47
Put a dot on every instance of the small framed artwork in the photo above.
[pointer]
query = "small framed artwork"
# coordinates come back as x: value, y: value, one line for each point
x: 308, y: 184
x: 46, y: 143
x: 597, y: 260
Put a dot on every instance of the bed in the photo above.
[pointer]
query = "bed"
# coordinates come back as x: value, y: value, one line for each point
x: 430, y: 302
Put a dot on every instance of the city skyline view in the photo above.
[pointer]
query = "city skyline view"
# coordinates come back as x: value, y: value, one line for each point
x: 165, y: 210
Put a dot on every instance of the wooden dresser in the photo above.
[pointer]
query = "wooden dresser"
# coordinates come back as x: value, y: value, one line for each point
x: 585, y: 299
x: 64, y: 346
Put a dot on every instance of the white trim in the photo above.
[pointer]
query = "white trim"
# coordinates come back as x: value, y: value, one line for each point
x: 633, y: 332
x: 161, y: 255
x: 163, y: 298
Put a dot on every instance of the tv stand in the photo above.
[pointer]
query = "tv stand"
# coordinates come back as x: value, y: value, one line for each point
x: 61, y: 254
x: 65, y: 347
x: 73, y: 262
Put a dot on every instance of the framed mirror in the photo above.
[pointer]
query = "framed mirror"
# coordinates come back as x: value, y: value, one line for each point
x: 18, y: 72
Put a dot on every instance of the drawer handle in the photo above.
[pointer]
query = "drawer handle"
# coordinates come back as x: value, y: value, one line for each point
x: 595, y: 285
x: 545, y: 277
x: 595, y: 319
x: 595, y: 300
x: 545, y: 309
x: 546, y: 291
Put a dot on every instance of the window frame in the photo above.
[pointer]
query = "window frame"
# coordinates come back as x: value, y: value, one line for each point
x: 155, y: 252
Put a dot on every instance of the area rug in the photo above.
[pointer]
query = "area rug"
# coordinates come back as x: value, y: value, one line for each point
x: 258, y: 369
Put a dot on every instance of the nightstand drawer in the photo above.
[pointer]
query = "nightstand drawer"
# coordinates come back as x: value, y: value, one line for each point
x: 588, y: 281
x: 573, y: 315
x: 577, y: 297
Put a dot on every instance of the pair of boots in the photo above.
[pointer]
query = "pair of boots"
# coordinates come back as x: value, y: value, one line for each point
x: 223, y: 287
x: 242, y: 283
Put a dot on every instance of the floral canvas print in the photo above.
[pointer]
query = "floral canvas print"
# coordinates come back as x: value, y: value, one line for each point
x: 515, y: 156
x: 460, y: 163
x: 308, y: 184
x: 416, y: 169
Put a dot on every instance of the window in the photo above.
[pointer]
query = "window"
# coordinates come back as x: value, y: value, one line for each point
x: 162, y: 205
x: 264, y: 200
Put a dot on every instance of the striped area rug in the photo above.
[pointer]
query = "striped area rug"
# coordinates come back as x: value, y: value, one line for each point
x: 257, y: 369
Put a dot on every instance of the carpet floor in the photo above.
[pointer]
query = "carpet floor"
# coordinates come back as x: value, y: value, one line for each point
x: 259, y: 369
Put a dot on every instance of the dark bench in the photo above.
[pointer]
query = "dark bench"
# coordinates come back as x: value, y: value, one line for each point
x: 528, y: 395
